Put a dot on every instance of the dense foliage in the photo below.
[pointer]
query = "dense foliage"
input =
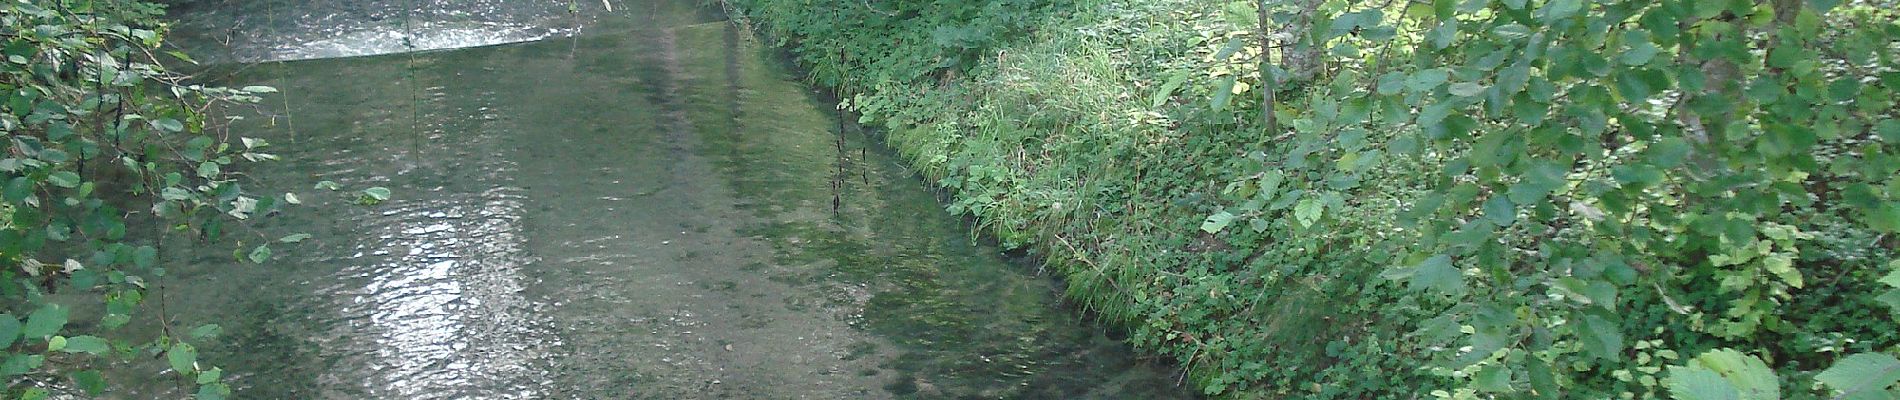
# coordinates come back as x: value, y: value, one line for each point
x: 106, y: 153
x: 1471, y: 199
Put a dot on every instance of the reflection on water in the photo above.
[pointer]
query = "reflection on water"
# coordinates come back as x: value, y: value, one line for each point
x: 642, y: 211
x: 441, y: 289
x: 279, y: 30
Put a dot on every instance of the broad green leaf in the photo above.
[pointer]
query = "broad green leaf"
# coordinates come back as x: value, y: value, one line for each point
x: 213, y: 391
x: 1493, y: 378
x: 1668, y: 152
x: 1223, y: 91
x: 1499, y: 210
x: 1601, y: 338
x: 1861, y: 373
x: 1561, y: 9
x: 182, y: 358
x: 259, y: 255
x: 9, y: 330
x: 65, y: 179
x: 168, y: 125
x: 90, y: 381
x: 1428, y: 79
x: 294, y: 238
x: 206, y: 331
x: 1437, y: 274
x: 1167, y: 89
x: 45, y: 322
x: 1308, y: 211
x: 1466, y: 89
x: 1697, y: 383
x: 1750, y: 376
x: 86, y: 344
x: 145, y: 256
x: 1215, y: 223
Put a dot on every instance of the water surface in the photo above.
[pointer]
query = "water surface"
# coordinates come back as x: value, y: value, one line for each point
x: 630, y: 204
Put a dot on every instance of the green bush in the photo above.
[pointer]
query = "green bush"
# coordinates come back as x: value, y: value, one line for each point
x: 100, y: 140
x: 1467, y: 199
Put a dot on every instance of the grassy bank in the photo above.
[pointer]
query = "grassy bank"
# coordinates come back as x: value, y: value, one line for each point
x: 1422, y: 221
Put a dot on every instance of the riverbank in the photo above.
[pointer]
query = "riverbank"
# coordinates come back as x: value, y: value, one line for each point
x: 1117, y: 140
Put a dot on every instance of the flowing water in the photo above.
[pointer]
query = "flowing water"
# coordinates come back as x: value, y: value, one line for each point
x: 635, y: 203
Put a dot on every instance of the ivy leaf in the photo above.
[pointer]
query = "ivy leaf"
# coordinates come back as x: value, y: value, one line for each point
x: 1862, y: 376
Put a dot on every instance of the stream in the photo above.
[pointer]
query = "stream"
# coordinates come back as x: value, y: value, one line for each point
x: 634, y: 203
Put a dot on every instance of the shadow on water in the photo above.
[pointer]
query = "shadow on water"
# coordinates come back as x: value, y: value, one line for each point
x: 652, y: 208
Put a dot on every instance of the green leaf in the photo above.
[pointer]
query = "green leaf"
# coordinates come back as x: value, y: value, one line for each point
x: 145, y: 256
x: 1560, y: 9
x: 379, y: 193
x: 1861, y: 373
x: 1601, y: 338
x: 1466, y: 89
x: 214, y: 391
x: 206, y: 331
x: 298, y: 237
x: 9, y: 330
x: 1668, y: 152
x: 260, y: 254
x: 1437, y: 274
x: 1215, y: 223
x: 1223, y: 91
x: 168, y: 125
x: 1428, y: 79
x: 328, y: 185
x: 1500, y: 211
x: 1750, y: 377
x: 1889, y: 130
x: 45, y: 322
x: 65, y: 179
x: 1493, y: 378
x: 1697, y: 383
x: 1228, y: 50
x: 90, y: 381
x: 86, y: 344
x: 1308, y: 211
x: 1167, y: 89
x: 183, y: 358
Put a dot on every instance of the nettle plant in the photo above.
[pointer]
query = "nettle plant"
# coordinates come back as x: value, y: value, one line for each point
x: 100, y: 140
x: 1627, y: 197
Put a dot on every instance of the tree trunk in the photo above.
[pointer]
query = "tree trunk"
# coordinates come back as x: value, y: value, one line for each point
x: 1267, y: 84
